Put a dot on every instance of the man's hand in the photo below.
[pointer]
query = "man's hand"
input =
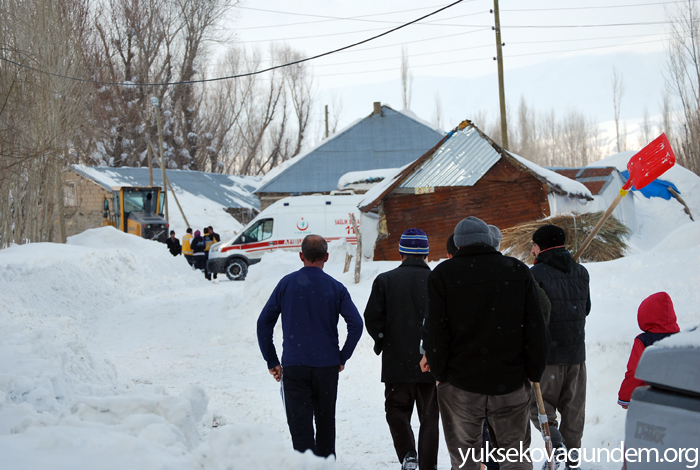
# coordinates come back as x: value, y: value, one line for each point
x: 276, y: 373
x: 424, y: 367
x: 341, y: 368
x: 624, y: 407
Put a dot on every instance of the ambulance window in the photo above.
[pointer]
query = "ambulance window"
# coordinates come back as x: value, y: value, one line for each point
x: 261, y: 230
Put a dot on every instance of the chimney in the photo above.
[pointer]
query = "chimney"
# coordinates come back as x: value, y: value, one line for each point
x: 377, y: 108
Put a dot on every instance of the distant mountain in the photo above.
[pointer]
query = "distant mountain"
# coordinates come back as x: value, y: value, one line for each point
x: 581, y: 82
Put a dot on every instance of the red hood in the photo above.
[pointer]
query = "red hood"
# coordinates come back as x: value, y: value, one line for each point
x: 656, y: 314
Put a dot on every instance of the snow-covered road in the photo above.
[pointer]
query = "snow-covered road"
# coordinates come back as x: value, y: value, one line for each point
x: 114, y: 355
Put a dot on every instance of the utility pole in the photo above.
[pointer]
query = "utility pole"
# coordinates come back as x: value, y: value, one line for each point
x: 156, y: 104
x: 150, y: 161
x: 501, y: 89
x: 326, y: 121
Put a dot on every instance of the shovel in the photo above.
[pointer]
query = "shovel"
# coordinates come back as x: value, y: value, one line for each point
x: 544, y: 426
x: 644, y: 167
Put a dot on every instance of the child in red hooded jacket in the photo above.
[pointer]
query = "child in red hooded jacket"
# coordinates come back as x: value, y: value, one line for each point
x: 657, y: 319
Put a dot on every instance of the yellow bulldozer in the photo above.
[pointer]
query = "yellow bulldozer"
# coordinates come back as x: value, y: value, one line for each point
x: 137, y: 210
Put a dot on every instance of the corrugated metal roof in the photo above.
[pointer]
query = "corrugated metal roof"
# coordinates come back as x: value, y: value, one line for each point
x: 461, y: 161
x: 596, y: 179
x: 389, y: 140
x: 228, y: 190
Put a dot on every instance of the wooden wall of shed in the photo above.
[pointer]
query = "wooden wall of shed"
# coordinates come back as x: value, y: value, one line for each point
x: 82, y: 203
x: 503, y: 197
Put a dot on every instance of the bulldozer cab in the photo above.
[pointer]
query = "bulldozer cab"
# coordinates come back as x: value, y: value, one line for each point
x: 137, y: 210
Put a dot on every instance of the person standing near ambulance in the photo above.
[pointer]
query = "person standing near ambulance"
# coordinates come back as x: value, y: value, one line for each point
x: 186, y: 247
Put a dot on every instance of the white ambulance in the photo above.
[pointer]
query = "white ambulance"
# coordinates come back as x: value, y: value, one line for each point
x: 284, y: 225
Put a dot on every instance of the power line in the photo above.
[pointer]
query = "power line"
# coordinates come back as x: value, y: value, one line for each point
x: 470, y: 26
x: 310, y: 15
x: 189, y: 82
x: 489, y: 58
x: 357, y: 31
x: 335, y: 64
x: 587, y: 25
x: 357, y: 18
x: 594, y: 8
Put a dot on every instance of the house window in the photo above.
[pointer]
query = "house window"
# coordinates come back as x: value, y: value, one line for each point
x: 70, y: 195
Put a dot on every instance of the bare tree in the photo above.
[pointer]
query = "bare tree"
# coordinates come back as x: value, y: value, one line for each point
x: 437, y: 114
x: 337, y: 112
x: 618, y: 89
x: 683, y: 81
x: 153, y: 41
x: 268, y: 117
x: 578, y: 139
x: 406, y: 79
x: 40, y: 113
x: 644, y: 136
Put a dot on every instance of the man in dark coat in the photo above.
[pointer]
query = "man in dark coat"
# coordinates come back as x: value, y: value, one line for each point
x: 393, y: 317
x: 564, y: 380
x: 173, y: 244
x: 485, y: 339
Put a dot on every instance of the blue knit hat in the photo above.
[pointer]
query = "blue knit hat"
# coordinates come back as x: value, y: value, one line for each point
x: 414, y: 241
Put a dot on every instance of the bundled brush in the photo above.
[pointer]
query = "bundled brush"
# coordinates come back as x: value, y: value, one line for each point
x: 608, y: 245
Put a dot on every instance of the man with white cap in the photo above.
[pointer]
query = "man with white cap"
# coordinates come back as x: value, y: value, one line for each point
x: 485, y: 339
x: 393, y: 318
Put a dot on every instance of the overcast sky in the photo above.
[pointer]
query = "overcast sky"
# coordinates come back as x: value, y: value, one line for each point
x: 545, y: 39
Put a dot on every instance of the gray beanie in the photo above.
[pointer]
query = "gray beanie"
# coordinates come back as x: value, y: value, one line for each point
x: 471, y: 231
x: 496, y: 235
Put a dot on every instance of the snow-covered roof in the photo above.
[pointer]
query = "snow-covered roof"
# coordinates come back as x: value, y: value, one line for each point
x: 385, y: 140
x: 568, y: 186
x: 366, y: 176
x: 464, y: 156
x: 228, y: 190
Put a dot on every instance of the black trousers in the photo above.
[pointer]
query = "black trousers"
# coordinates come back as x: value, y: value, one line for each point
x: 310, y: 394
x: 399, y: 400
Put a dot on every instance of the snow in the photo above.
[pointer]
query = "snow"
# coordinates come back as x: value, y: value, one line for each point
x: 414, y: 116
x: 374, y: 176
x: 114, y: 354
x: 389, y: 178
x: 569, y: 186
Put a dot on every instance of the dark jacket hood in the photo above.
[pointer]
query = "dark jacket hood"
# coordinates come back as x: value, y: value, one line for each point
x: 657, y: 315
x: 558, y: 258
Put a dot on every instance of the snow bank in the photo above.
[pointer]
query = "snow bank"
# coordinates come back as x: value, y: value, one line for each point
x: 63, y: 406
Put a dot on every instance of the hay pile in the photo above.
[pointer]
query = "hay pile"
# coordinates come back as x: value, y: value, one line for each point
x: 609, y: 244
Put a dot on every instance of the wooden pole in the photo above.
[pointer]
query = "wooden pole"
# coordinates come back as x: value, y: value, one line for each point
x: 149, y: 150
x: 326, y: 121
x: 544, y: 425
x: 600, y: 223
x: 358, y: 255
x: 59, y: 203
x: 501, y: 86
x: 156, y: 104
x: 172, y: 191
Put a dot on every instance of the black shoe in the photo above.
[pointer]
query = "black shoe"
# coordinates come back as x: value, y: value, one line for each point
x: 559, y: 459
x: 410, y: 461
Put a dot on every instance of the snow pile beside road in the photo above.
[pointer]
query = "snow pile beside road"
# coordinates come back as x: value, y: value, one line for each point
x: 60, y: 403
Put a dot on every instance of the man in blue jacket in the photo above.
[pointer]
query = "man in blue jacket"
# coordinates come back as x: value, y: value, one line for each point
x: 310, y: 302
